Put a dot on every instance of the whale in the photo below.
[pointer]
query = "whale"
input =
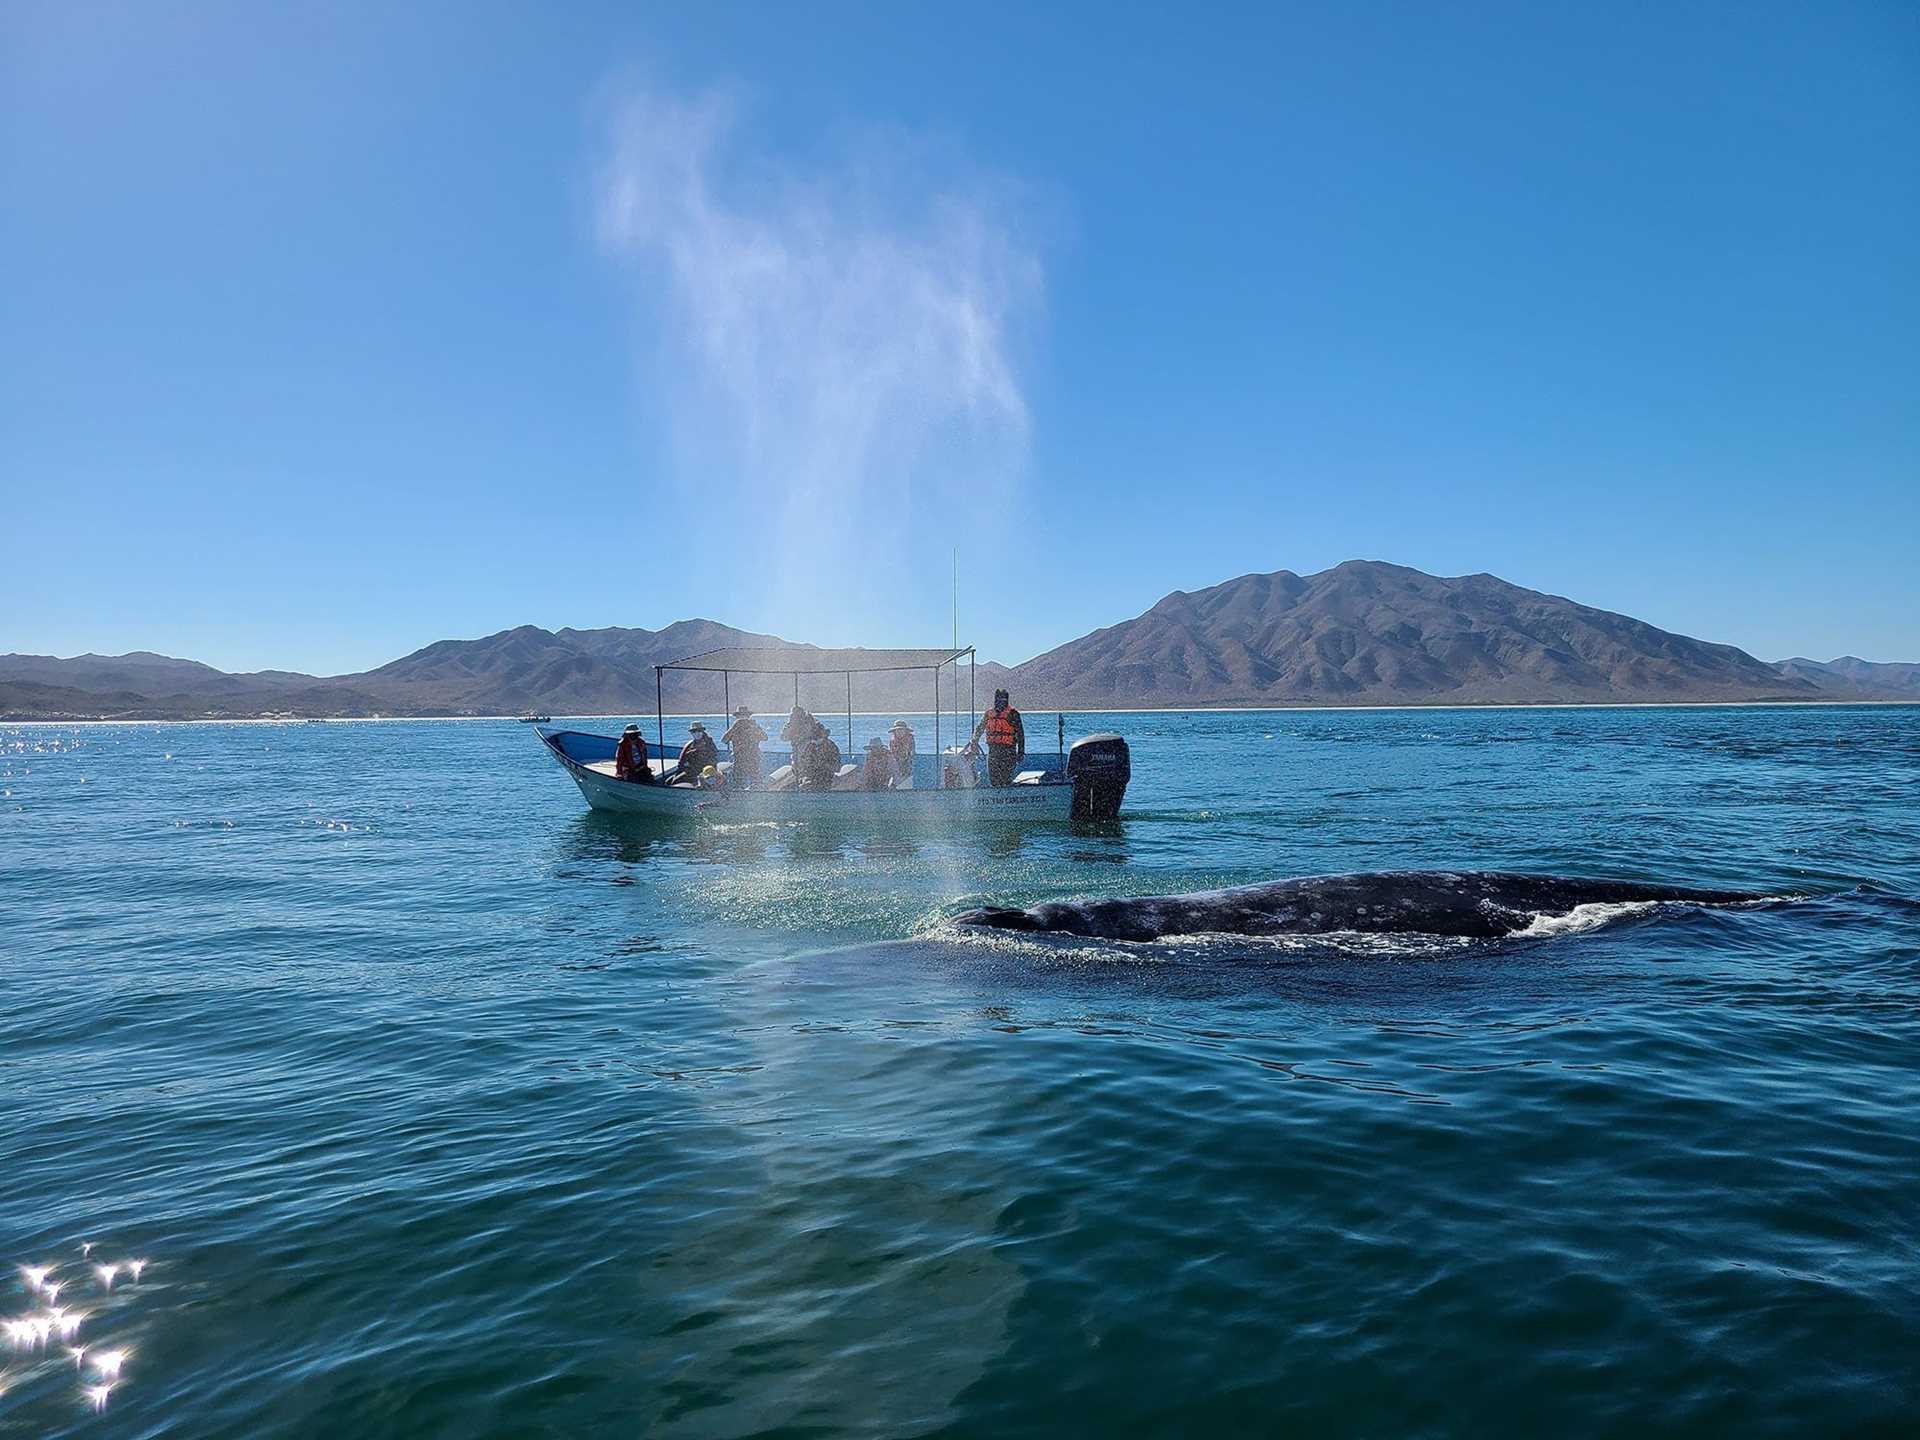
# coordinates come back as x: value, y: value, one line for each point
x: 1470, y: 904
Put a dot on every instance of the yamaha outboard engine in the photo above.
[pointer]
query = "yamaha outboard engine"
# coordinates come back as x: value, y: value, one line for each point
x: 1099, y: 768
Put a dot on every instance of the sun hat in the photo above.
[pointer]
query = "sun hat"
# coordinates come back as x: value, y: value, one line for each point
x: 742, y: 710
x: 699, y: 725
x: 631, y: 730
x: 901, y: 725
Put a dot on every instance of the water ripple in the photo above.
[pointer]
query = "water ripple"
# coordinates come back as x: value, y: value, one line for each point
x: 439, y: 1106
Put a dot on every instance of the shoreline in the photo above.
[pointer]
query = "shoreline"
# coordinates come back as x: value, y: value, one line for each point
x: 1037, y: 710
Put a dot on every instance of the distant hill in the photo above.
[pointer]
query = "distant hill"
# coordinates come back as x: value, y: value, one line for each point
x: 1852, y: 676
x: 527, y: 669
x: 142, y: 672
x: 568, y: 671
x: 1363, y: 633
x: 1369, y: 633
x: 30, y: 700
x: 610, y: 672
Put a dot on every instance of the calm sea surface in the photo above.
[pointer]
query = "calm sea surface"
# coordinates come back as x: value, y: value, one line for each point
x: 439, y: 1106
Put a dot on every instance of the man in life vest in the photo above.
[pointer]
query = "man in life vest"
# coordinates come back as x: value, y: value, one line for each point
x: 1006, y: 740
x: 630, y: 759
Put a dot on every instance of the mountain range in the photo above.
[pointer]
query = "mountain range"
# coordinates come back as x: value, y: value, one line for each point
x: 1362, y: 633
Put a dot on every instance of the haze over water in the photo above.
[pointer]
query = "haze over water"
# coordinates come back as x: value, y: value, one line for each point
x: 440, y: 1106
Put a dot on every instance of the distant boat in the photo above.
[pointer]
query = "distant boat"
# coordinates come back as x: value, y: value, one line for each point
x: 1086, y: 781
x: 536, y: 719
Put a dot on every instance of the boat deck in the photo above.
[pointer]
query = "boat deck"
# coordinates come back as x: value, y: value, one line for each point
x: 659, y: 767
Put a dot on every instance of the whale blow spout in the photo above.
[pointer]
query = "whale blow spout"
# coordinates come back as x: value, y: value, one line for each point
x: 1475, y: 904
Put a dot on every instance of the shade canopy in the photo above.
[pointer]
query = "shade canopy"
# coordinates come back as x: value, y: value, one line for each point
x: 807, y: 660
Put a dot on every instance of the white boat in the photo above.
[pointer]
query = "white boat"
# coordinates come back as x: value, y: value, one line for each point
x: 1086, y: 781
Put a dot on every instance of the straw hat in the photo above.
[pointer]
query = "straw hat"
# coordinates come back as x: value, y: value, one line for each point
x: 699, y: 725
x: 901, y: 725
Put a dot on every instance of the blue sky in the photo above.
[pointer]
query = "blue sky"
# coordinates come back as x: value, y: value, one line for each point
x: 332, y: 330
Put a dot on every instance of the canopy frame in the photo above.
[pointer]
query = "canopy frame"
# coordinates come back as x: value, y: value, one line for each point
x: 759, y: 660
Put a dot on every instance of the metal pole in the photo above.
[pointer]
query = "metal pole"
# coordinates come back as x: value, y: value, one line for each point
x: 726, y: 699
x: 973, y: 664
x: 849, y: 715
x: 659, y: 713
x: 936, y: 721
x: 796, y: 689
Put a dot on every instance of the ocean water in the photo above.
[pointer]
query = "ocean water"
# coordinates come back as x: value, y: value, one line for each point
x: 439, y: 1106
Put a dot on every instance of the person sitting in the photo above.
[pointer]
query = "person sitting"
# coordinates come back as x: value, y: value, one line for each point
x: 877, y: 773
x: 698, y: 753
x: 900, y: 751
x: 818, y: 761
x: 746, y: 737
x: 630, y: 758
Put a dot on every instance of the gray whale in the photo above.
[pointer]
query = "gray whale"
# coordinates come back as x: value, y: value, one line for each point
x: 1478, y: 904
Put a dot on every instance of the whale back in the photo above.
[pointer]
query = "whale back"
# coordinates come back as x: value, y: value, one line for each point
x: 1474, y: 904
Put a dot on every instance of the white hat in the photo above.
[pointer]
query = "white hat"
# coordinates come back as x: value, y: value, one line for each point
x: 631, y: 730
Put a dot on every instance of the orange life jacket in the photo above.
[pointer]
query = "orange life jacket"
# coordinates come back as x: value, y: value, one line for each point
x: 1000, y: 726
x: 630, y: 757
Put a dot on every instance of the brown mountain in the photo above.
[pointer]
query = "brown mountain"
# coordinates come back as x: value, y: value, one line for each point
x: 1369, y: 633
x: 1851, y: 676
x: 566, y: 671
x: 610, y: 672
x: 558, y: 672
x: 1362, y: 633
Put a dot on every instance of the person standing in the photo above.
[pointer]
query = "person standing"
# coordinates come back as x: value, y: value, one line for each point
x: 798, y: 730
x: 900, y: 748
x: 877, y: 773
x: 746, y: 737
x: 1006, y: 740
x: 798, y: 733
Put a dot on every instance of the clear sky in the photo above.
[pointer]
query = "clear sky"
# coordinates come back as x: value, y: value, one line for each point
x: 329, y: 330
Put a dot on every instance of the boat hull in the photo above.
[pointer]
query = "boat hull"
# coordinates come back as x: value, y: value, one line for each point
x: 975, y: 805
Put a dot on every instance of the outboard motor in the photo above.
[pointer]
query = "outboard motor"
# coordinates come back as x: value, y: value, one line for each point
x: 1099, y: 768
